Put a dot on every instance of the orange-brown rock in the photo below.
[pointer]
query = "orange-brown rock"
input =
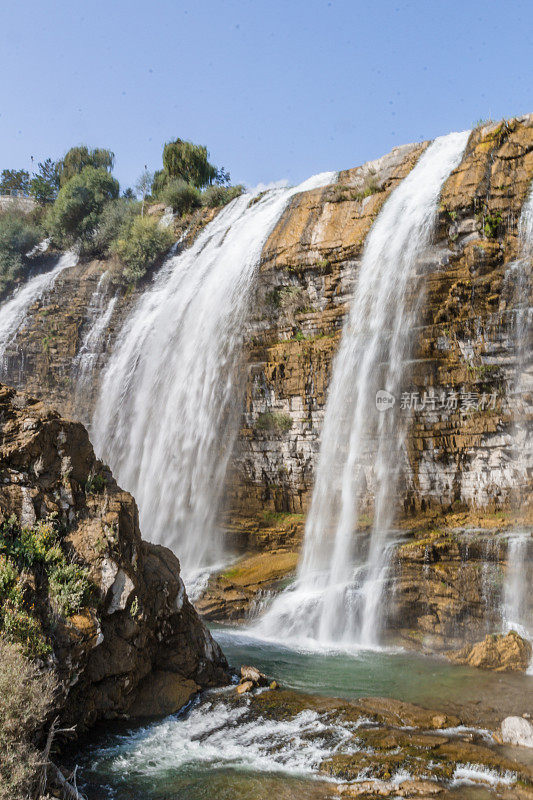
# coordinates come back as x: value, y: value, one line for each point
x: 509, y: 653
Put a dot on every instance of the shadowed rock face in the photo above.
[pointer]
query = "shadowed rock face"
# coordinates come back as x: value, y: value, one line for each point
x: 140, y: 631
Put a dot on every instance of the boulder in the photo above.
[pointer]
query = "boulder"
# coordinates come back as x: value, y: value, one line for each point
x: 517, y: 730
x: 253, y: 674
x: 245, y: 686
x: 509, y: 653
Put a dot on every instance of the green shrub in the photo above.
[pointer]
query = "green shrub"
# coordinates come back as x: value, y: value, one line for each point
x: 140, y: 246
x: 26, y: 696
x: 70, y: 588
x: 77, y: 211
x: 32, y: 557
x: 215, y: 196
x: 95, y: 484
x: 274, y: 421
x: 17, y: 236
x: 181, y: 196
x: 116, y: 216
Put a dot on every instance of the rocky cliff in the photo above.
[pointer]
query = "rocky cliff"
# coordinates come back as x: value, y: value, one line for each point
x: 462, y: 469
x: 81, y: 590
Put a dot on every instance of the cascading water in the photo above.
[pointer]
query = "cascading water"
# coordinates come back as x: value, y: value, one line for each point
x: 337, y: 595
x: 517, y: 609
x: 168, y: 409
x: 14, y: 311
x: 99, y: 313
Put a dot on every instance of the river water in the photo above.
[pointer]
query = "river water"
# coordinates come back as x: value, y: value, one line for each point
x: 223, y: 747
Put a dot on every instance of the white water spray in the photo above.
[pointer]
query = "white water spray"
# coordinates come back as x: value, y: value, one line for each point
x: 169, y: 404
x: 338, y: 592
x: 14, y: 312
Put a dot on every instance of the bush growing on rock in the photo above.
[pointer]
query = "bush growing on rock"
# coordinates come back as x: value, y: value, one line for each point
x: 77, y: 211
x: 32, y: 558
x: 274, y: 421
x: 215, y: 196
x: 181, y: 196
x: 116, y: 217
x: 26, y: 696
x: 140, y: 246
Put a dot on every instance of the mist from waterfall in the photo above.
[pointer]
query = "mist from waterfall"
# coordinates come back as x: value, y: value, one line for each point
x: 170, y: 399
x: 14, y: 311
x: 337, y: 596
x: 517, y: 608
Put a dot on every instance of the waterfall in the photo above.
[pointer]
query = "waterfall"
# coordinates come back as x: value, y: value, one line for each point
x: 14, y: 311
x: 169, y: 404
x: 517, y: 608
x: 99, y: 313
x: 338, y: 591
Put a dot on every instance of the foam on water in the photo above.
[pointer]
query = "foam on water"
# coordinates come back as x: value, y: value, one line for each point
x: 216, y: 734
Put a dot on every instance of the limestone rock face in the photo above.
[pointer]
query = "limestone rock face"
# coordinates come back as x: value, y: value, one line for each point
x: 141, y: 641
x: 509, y: 653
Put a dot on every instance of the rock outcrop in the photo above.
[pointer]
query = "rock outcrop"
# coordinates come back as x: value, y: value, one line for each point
x: 509, y: 653
x: 135, y: 645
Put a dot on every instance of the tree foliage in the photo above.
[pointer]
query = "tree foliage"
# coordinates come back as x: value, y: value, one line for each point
x: 14, y: 180
x: 78, y: 158
x: 44, y: 184
x: 76, y: 213
x: 18, y: 235
x: 190, y: 162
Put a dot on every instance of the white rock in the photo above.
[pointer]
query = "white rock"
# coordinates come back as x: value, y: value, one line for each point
x: 517, y: 730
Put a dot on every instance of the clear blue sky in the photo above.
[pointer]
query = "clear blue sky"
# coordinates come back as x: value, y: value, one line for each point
x: 274, y: 88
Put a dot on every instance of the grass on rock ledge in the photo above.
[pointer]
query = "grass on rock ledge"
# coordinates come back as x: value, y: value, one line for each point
x: 38, y: 585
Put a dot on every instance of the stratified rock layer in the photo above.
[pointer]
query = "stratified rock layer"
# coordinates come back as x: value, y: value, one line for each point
x: 141, y: 632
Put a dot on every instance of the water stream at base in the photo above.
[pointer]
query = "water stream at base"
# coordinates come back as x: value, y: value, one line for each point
x: 14, y: 311
x: 169, y: 403
x: 222, y: 747
x: 339, y: 587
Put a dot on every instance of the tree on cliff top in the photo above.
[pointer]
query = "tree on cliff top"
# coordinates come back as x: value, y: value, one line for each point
x: 76, y: 212
x: 182, y: 159
x: 14, y: 180
x: 78, y: 158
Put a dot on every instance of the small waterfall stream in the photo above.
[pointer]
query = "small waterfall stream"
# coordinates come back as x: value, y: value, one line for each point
x: 99, y: 313
x: 169, y: 404
x: 14, y: 311
x: 338, y: 592
x: 516, y: 601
